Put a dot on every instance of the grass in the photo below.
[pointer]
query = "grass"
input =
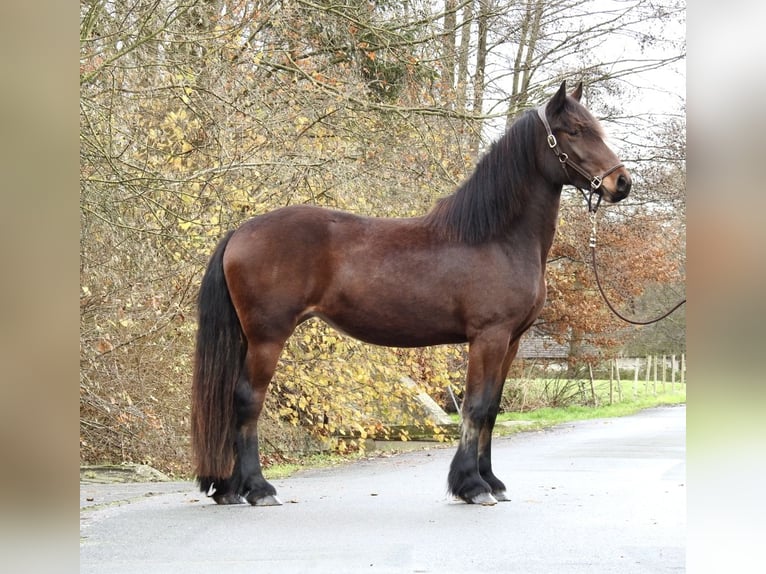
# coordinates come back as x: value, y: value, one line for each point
x: 630, y: 404
x: 579, y: 412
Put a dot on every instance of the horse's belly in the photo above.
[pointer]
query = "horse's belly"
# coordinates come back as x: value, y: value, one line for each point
x: 396, y: 325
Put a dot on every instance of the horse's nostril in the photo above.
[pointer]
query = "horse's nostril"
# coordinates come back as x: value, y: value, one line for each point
x: 623, y: 184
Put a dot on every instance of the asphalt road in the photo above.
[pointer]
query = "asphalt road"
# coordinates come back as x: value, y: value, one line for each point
x: 597, y: 496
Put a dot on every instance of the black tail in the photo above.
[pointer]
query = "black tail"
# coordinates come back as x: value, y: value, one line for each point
x: 218, y: 362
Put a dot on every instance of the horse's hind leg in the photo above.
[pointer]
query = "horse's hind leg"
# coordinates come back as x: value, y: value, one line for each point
x: 261, y: 361
x: 229, y: 491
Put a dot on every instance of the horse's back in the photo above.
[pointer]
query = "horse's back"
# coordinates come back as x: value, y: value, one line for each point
x: 310, y: 234
x: 291, y: 227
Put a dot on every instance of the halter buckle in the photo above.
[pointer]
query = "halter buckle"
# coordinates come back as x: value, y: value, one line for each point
x: 552, y: 143
x: 595, y: 183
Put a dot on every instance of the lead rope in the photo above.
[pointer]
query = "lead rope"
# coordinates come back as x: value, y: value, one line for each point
x: 592, y: 247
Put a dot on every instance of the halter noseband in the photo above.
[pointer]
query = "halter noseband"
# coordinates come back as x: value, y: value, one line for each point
x: 564, y: 160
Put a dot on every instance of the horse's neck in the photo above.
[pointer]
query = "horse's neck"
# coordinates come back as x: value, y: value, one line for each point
x: 536, y: 223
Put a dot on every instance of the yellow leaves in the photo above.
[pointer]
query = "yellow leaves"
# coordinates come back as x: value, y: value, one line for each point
x: 169, y: 141
x: 175, y: 117
x: 103, y: 345
x: 334, y: 386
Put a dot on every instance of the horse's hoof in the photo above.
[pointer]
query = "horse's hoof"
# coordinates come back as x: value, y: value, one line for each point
x: 228, y: 498
x: 501, y: 496
x: 484, y: 498
x: 268, y: 500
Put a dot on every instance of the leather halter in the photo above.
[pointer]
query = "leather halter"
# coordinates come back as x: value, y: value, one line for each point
x: 564, y: 159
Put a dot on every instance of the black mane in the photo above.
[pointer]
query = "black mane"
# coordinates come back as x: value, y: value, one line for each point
x: 486, y: 204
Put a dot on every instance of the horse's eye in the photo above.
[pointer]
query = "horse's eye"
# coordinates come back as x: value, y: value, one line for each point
x: 574, y: 132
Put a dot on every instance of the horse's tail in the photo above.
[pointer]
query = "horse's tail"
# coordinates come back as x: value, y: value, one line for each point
x: 218, y: 362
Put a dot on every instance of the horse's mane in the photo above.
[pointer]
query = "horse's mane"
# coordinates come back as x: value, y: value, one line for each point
x: 486, y: 204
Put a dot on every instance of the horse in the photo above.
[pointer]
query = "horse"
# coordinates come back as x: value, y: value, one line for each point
x: 472, y: 270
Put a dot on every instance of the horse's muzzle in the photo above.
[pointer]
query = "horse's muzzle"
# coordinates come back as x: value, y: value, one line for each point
x: 621, y: 189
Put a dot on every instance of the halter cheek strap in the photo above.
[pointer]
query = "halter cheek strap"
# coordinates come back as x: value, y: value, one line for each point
x: 564, y: 161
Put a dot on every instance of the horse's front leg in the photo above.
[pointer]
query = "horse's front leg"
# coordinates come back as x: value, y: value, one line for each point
x: 470, y: 476
x: 485, y: 459
x: 485, y: 436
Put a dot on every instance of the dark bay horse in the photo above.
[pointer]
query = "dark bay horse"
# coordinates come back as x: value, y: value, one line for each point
x: 472, y: 270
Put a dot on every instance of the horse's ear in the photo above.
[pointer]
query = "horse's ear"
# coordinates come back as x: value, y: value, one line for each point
x: 558, y: 100
x: 577, y: 93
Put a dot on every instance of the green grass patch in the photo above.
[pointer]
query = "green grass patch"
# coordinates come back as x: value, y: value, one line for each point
x: 580, y: 412
x: 631, y: 403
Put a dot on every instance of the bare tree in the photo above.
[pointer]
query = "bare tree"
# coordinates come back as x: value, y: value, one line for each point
x: 464, y: 54
x: 448, y: 44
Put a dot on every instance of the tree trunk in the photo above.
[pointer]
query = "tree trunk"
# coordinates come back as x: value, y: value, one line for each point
x: 523, y: 67
x: 448, y: 48
x: 465, y: 48
x: 481, y: 62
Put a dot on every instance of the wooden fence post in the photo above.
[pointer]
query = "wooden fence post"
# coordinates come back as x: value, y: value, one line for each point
x: 673, y: 373
x: 664, y: 369
x: 611, y: 378
x: 635, y: 377
x: 619, y: 382
x: 683, y: 369
x: 648, y: 373
x: 654, y: 377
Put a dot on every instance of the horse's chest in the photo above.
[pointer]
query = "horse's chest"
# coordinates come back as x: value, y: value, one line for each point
x: 525, y: 290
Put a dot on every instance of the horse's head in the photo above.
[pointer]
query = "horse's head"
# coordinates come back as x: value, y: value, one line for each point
x: 577, y: 143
